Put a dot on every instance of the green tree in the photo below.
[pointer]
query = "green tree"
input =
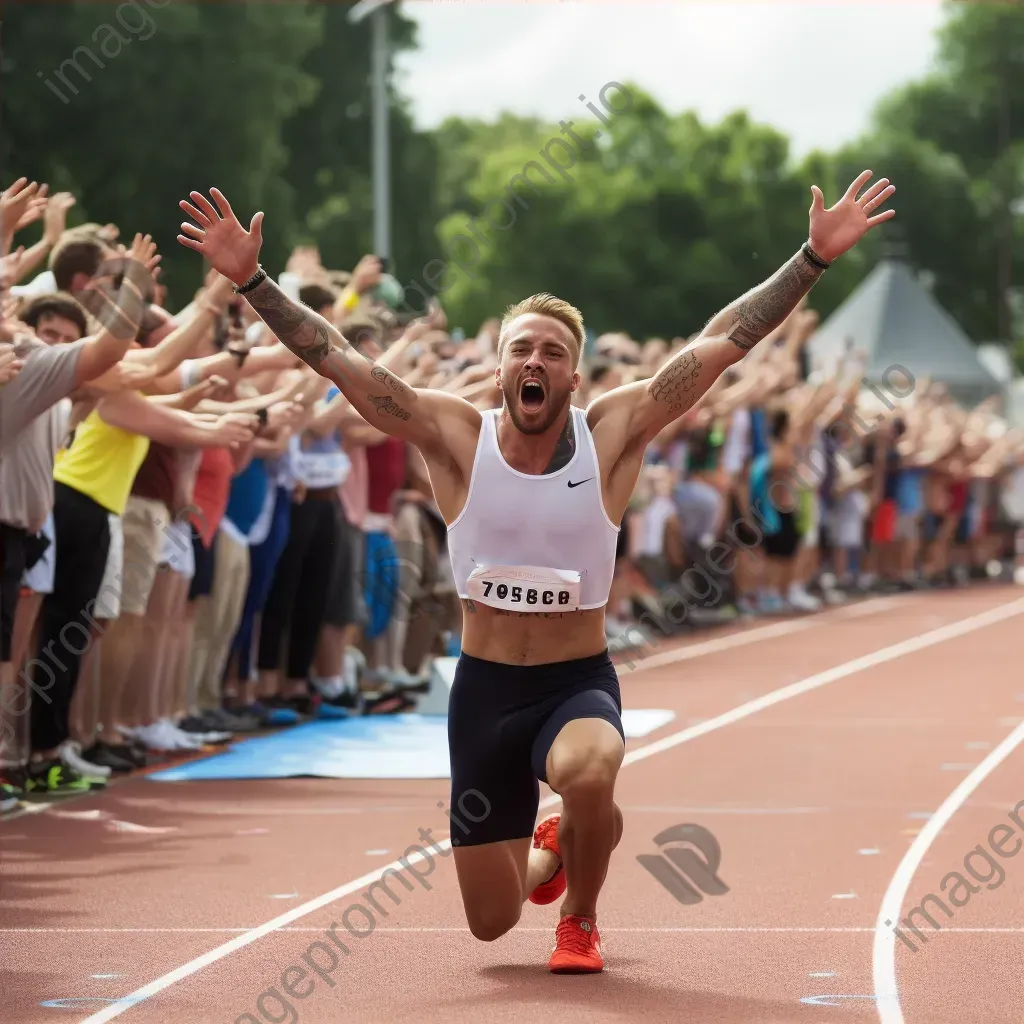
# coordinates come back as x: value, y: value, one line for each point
x: 130, y: 120
x: 659, y: 223
x: 954, y: 145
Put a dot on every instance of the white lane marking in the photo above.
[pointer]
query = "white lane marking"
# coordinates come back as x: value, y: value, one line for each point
x: 883, y: 955
x: 756, y: 635
x: 849, y: 668
x: 754, y: 929
x: 821, y: 679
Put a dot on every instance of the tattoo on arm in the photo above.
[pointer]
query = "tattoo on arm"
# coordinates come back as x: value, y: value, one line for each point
x: 676, y: 383
x: 761, y: 310
x: 296, y: 326
x: 386, y: 405
x: 389, y: 380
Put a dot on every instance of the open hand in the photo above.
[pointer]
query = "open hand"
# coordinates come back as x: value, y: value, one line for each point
x: 35, y: 209
x: 15, y: 203
x: 367, y: 274
x: 218, y: 236
x: 235, y: 428
x: 841, y: 227
x: 143, y: 251
x: 56, y: 217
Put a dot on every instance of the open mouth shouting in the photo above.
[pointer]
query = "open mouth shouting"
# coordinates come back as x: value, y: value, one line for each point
x: 532, y: 394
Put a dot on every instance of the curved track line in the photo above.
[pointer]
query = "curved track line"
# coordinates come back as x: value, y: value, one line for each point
x: 890, y: 653
x: 883, y: 965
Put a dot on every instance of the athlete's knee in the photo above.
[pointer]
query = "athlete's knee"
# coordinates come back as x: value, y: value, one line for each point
x: 590, y: 772
x: 490, y: 923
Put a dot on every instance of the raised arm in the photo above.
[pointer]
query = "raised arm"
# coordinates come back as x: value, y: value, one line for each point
x: 647, y: 407
x: 424, y: 418
x: 177, y: 429
x: 120, y: 315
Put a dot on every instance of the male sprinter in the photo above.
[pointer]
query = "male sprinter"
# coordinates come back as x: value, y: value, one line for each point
x: 533, y: 494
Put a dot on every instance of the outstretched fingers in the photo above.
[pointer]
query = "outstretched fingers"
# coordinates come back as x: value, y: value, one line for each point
x: 190, y: 243
x: 871, y: 195
x: 222, y: 204
x: 205, y: 206
x: 880, y: 217
x: 856, y: 185
x: 201, y: 219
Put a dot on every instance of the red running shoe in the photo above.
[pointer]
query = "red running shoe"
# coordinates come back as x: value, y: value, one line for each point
x: 545, y: 837
x: 577, y: 947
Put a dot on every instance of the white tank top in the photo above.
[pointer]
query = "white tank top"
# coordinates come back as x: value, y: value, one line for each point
x: 555, y: 521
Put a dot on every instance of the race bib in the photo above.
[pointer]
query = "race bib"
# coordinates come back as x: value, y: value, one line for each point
x: 525, y: 588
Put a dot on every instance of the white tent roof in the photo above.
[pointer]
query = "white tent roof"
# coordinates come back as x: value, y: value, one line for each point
x: 896, y: 321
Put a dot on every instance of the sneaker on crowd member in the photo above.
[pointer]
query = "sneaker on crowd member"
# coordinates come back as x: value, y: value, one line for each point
x: 801, y: 600
x: 10, y: 795
x: 52, y: 777
x: 134, y: 754
x: 163, y: 736
x: 104, y: 755
x: 70, y: 754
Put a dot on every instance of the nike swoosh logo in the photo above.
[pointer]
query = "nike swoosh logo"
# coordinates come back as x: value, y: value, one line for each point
x: 578, y: 482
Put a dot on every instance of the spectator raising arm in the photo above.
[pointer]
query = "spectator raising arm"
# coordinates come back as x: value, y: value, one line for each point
x: 120, y: 317
x: 136, y: 414
x: 424, y: 418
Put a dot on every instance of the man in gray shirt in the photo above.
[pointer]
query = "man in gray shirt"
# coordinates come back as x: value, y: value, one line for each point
x: 48, y: 374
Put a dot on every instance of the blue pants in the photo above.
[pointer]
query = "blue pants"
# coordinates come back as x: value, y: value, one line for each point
x: 263, y: 561
x: 380, y: 586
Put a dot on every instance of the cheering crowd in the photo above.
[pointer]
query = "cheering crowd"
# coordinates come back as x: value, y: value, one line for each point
x: 200, y: 537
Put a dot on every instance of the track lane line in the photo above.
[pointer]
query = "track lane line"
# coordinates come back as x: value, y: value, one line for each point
x: 890, y: 653
x: 883, y: 956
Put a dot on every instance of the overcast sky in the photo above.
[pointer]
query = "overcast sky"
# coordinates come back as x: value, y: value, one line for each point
x: 813, y: 69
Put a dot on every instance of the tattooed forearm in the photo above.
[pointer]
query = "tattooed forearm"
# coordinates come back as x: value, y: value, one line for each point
x: 677, y: 383
x: 385, y: 404
x: 389, y: 380
x: 760, y: 311
x: 295, y: 325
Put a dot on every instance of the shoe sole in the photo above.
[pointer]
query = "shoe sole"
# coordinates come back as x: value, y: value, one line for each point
x: 576, y: 970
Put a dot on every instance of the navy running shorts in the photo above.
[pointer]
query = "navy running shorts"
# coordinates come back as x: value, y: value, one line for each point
x: 502, y: 721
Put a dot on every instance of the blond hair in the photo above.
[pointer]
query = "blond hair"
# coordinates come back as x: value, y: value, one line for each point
x: 545, y: 304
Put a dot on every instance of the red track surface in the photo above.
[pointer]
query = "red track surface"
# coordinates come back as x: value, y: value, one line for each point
x: 812, y: 798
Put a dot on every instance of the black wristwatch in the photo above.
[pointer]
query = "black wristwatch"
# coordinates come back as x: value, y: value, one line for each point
x: 247, y: 286
x: 263, y: 416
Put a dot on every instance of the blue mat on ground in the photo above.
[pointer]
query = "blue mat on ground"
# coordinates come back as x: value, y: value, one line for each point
x: 386, y: 747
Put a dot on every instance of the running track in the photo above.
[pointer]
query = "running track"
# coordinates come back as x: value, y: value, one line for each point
x: 845, y: 762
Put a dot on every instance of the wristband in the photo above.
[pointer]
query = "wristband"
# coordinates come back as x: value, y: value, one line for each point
x: 258, y: 278
x: 812, y: 257
x: 263, y: 416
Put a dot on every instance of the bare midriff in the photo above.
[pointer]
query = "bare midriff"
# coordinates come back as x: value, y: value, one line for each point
x: 531, y: 638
